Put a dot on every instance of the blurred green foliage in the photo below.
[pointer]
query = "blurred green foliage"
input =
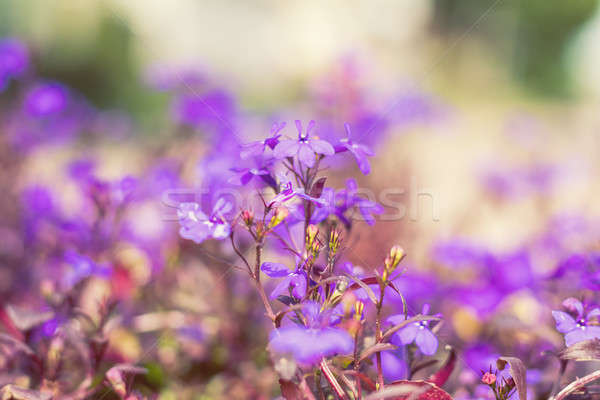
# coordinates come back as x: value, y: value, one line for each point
x: 101, y: 65
x: 533, y: 34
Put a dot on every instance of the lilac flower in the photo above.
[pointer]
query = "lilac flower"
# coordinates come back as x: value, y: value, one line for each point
x: 305, y: 147
x: 81, y: 267
x: 309, y: 345
x: 14, y: 60
x: 458, y: 253
x: 258, y: 148
x: 319, y: 338
x: 338, y: 204
x: 46, y: 99
x: 294, y: 280
x: 215, y: 109
x: 576, y: 329
x: 394, y: 365
x: 359, y: 151
x: 288, y: 192
x: 417, y: 332
x: 196, y: 226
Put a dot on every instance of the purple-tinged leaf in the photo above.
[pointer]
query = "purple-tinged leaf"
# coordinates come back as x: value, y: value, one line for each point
x: 293, y: 391
x: 586, y: 350
x: 518, y: 373
x: 413, y: 390
x: 317, y: 188
x: 116, y: 376
x: 442, y: 375
x: 9, y: 340
x: 18, y: 393
x: 25, y: 319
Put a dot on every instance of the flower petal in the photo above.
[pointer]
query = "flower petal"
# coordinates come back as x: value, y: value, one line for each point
x: 321, y: 147
x: 286, y: 148
x: 275, y: 270
x: 426, y: 341
x: 306, y: 155
x: 407, y: 335
x: 564, y: 322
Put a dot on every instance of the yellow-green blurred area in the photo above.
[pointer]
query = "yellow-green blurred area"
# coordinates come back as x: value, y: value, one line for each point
x: 467, y: 48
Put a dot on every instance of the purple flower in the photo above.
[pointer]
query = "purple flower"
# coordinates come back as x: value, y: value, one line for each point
x: 309, y: 345
x: 258, y: 148
x: 359, y: 151
x: 81, y: 267
x: 288, y: 192
x: 305, y: 147
x: 340, y: 203
x: 319, y: 338
x: 394, y: 365
x: 215, y: 108
x: 294, y: 280
x: 14, y: 60
x: 196, y: 226
x: 417, y: 332
x: 243, y: 176
x: 46, y: 99
x: 576, y: 329
x: 458, y: 253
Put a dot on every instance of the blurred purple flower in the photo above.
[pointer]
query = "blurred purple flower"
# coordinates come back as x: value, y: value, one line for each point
x: 338, y: 204
x: 305, y: 147
x: 14, y: 60
x: 81, y: 267
x: 294, y: 280
x: 258, y: 148
x: 457, y: 253
x: 318, y: 339
x: 46, y: 99
x: 417, y: 332
x: 197, y: 226
x: 243, y: 176
x: 579, y: 328
x: 359, y: 151
x: 394, y: 365
x: 215, y: 108
x: 309, y: 345
x: 288, y: 192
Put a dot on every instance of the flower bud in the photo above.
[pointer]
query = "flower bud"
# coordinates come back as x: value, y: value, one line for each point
x: 281, y: 213
x: 247, y: 217
x: 392, y: 260
x: 488, y: 378
x: 334, y: 241
x: 359, y: 307
x: 311, y: 233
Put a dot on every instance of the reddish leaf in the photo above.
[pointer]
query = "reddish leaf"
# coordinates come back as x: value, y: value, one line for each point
x: 289, y: 390
x: 404, y: 390
x: 518, y: 373
x: 18, y: 393
x: 292, y: 391
x: 24, y: 319
x: 442, y: 375
x: 317, y: 188
x: 10, y: 325
x: 116, y: 376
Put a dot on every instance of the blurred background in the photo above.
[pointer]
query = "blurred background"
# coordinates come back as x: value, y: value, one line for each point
x: 492, y: 134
